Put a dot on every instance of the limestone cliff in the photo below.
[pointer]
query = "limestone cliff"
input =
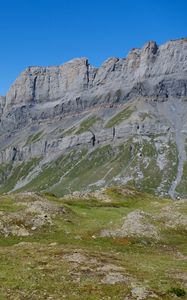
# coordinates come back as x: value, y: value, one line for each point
x: 138, y: 102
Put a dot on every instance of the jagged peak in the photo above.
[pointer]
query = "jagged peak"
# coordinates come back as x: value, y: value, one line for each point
x: 150, y: 47
x: 110, y: 60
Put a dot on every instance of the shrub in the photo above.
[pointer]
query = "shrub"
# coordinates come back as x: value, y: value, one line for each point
x: 178, y: 292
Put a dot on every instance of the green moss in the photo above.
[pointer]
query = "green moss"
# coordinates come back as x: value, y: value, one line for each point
x: 120, y: 117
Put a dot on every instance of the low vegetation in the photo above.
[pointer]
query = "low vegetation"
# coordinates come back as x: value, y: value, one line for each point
x: 120, y: 117
x: 65, y: 256
x: 15, y: 173
x: 139, y: 162
x: 51, y: 173
x: 34, y: 138
x: 182, y: 187
x: 94, y: 169
x: 87, y: 124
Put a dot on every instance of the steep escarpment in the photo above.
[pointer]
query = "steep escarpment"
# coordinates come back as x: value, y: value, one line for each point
x: 75, y: 127
x: 153, y: 72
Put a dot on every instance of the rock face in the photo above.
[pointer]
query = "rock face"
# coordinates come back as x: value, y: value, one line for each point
x: 153, y: 72
x: 2, y: 104
x: 135, y: 101
x: 40, y: 84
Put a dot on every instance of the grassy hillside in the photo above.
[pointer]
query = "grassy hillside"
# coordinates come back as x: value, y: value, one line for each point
x: 140, y: 163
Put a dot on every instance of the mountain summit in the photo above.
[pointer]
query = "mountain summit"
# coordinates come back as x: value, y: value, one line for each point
x: 75, y: 127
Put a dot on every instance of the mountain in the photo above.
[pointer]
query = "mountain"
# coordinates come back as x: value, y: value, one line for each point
x: 78, y: 128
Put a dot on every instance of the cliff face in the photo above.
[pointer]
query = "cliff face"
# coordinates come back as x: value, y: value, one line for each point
x: 156, y: 72
x: 2, y: 104
x: 52, y: 111
x: 40, y: 84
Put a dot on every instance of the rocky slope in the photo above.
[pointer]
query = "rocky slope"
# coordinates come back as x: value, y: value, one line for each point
x: 76, y: 127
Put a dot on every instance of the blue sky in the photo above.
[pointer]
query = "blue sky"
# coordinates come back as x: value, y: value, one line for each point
x: 43, y: 32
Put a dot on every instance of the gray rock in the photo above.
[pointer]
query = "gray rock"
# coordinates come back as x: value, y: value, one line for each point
x: 45, y: 111
x: 158, y: 72
x: 140, y: 293
x: 2, y: 104
x: 136, y: 224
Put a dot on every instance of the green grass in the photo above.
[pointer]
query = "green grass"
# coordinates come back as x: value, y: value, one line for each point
x: 171, y: 168
x: 120, y: 117
x: 39, y: 269
x: 102, y: 164
x: 17, y: 172
x: 68, y: 132
x: 87, y: 124
x: 52, y: 172
x: 145, y: 160
x: 73, y: 171
x: 78, y: 170
x: 7, y: 204
x: 34, y: 138
x: 151, y: 176
x: 5, y: 170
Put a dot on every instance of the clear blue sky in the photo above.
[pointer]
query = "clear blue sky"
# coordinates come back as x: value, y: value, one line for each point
x: 50, y: 32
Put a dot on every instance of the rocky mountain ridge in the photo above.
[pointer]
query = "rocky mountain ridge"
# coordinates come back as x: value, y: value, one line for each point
x: 126, y: 120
